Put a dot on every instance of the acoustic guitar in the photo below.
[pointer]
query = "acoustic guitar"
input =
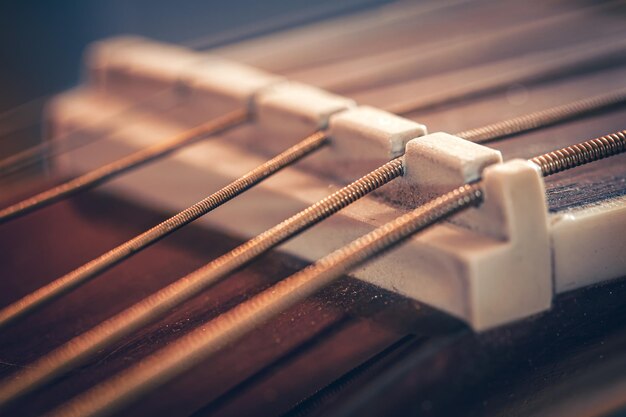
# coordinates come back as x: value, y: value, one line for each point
x: 417, y: 208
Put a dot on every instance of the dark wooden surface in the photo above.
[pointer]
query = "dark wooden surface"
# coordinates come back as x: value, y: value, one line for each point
x: 352, y: 349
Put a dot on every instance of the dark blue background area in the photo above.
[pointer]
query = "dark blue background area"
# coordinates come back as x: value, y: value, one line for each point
x: 41, y: 42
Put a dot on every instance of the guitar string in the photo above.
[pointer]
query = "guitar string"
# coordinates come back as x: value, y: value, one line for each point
x: 385, y: 67
x: 125, y: 164
x: 544, y: 118
x: 197, y: 345
x: 150, y: 308
x: 75, y: 139
x: 382, y: 31
x: 11, y: 120
x: 566, y: 66
x: 280, y: 23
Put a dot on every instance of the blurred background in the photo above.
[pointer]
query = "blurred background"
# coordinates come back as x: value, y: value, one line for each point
x: 41, y: 42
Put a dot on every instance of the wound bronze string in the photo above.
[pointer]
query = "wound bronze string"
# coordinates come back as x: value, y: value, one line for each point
x: 70, y: 141
x: 113, y: 169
